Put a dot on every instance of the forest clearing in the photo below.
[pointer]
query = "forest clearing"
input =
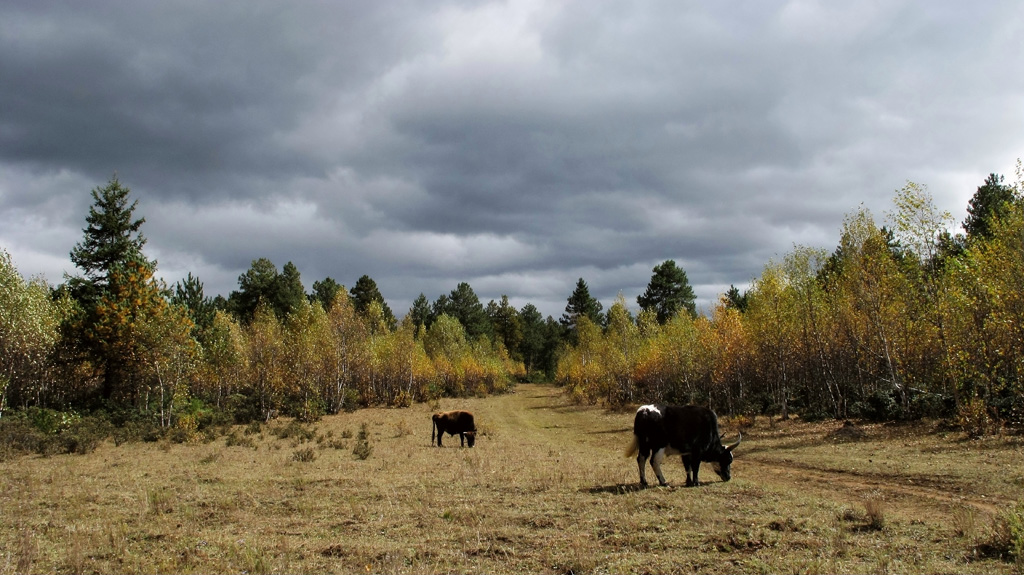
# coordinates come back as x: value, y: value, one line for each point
x: 547, y: 489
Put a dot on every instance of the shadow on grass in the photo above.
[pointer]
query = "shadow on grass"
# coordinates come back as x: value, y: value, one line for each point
x: 618, y: 430
x: 619, y: 489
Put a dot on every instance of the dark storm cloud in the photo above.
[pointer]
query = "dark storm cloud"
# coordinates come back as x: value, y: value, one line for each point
x: 514, y: 145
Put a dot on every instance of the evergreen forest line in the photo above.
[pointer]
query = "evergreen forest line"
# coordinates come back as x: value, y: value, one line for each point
x: 901, y: 320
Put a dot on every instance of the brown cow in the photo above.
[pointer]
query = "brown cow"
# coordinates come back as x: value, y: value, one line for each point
x: 453, y: 422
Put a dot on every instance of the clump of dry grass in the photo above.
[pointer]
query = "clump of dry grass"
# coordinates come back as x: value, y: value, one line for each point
x: 874, y: 511
x: 965, y: 521
x: 402, y: 428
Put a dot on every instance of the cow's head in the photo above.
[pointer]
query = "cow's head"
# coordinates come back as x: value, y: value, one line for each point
x: 724, y: 462
x: 471, y: 438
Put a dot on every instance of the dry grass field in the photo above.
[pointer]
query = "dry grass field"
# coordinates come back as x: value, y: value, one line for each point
x: 546, y: 490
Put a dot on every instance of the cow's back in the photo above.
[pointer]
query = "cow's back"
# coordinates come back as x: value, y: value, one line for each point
x: 457, y: 421
x: 694, y: 428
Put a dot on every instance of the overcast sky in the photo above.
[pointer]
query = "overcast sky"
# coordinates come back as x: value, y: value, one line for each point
x: 516, y: 146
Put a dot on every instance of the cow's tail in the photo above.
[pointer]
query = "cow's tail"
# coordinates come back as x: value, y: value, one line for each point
x: 634, y: 447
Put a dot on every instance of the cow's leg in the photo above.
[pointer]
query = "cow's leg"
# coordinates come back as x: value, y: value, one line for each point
x: 688, y: 464
x: 656, y: 460
x: 695, y: 465
x: 440, y: 432
x: 641, y: 462
x: 462, y: 439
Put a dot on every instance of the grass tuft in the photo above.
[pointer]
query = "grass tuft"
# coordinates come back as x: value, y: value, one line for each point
x: 874, y: 511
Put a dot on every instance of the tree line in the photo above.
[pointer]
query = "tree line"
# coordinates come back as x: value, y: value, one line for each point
x: 900, y: 320
x: 116, y: 341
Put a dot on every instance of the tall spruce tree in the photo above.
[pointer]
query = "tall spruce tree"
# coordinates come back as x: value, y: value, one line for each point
x: 112, y: 239
x: 580, y: 304
x: 668, y: 292
x: 118, y: 295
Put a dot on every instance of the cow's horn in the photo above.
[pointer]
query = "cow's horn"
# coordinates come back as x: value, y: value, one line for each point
x: 733, y: 446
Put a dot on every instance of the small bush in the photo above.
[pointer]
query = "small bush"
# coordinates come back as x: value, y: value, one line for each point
x: 50, y: 421
x: 137, y: 430
x: 304, y: 455
x: 295, y: 430
x: 363, y: 449
x: 310, y: 411
x: 18, y: 436
x: 1007, y: 535
x: 236, y: 440
x: 185, y: 430
x: 350, y: 400
x: 85, y: 435
x: 975, y: 419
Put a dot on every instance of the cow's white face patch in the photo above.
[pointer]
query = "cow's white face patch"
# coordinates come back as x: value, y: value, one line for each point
x: 650, y: 409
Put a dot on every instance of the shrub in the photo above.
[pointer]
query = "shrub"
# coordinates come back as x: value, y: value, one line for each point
x: 974, y: 418
x: 51, y: 421
x: 1007, y: 537
x: 304, y: 455
x: 137, y: 430
x: 18, y: 436
x: 402, y: 428
x: 310, y: 411
x: 363, y: 449
x: 85, y: 435
x: 294, y: 430
x: 879, y: 406
x: 236, y: 440
x: 350, y: 400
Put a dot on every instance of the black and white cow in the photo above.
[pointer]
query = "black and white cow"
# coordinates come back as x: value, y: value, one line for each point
x: 690, y: 431
x: 452, y: 422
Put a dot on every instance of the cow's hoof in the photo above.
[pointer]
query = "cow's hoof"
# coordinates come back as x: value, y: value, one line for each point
x: 664, y: 484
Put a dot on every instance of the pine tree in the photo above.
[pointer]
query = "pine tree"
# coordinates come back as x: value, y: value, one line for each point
x: 464, y: 305
x: 420, y: 314
x: 325, y: 291
x: 364, y: 293
x: 990, y: 201
x: 580, y: 304
x: 668, y: 292
x: 189, y: 294
x: 112, y: 238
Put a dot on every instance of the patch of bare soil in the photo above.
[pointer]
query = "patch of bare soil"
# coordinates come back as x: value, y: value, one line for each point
x: 917, y: 495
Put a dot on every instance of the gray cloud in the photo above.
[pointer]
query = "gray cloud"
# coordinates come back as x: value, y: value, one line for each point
x: 517, y: 145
